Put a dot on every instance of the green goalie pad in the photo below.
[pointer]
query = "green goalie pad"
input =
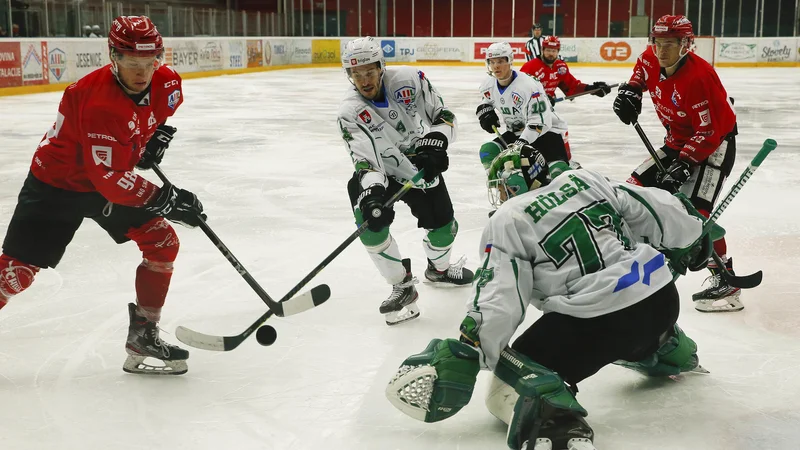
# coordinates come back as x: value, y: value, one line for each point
x: 436, y: 383
x: 677, y: 354
x: 543, y: 395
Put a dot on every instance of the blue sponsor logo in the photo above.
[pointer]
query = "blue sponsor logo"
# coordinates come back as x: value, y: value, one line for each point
x: 388, y: 48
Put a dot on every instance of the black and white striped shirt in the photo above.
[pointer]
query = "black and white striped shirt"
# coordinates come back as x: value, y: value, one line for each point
x: 533, y: 48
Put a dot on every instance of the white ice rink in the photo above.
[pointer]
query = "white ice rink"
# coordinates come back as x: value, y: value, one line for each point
x: 265, y: 156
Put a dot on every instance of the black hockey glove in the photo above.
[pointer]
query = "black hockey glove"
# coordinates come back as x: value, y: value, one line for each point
x: 156, y: 146
x: 432, y: 155
x: 628, y: 104
x: 370, y: 202
x: 694, y: 258
x: 487, y: 117
x: 677, y: 173
x: 602, y: 85
x: 177, y: 205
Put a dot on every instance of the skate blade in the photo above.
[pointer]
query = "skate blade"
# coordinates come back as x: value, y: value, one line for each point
x: 724, y: 304
x: 136, y: 364
x: 409, y: 312
x: 445, y: 284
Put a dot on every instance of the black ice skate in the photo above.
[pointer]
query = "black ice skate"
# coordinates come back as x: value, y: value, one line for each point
x: 144, y: 342
x: 455, y: 275
x: 720, y: 296
x: 401, y: 305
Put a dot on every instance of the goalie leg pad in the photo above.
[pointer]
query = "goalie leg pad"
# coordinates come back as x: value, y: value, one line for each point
x: 678, y: 353
x: 435, y: 384
x: 546, y: 408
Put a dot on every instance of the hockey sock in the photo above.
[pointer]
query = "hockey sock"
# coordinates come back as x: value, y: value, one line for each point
x: 438, y: 242
x: 15, y: 277
x: 159, y: 244
x: 387, y: 259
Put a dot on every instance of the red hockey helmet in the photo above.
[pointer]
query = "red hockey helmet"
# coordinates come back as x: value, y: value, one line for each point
x: 135, y: 36
x: 673, y: 27
x: 551, y: 42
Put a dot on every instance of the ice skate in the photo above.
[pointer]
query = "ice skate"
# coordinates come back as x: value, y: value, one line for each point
x: 719, y: 296
x: 144, y: 342
x: 455, y: 275
x: 401, y: 306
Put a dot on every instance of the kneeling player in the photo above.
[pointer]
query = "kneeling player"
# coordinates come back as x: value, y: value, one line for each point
x: 569, y: 249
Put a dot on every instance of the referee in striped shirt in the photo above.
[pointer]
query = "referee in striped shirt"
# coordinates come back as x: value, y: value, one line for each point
x: 533, y: 48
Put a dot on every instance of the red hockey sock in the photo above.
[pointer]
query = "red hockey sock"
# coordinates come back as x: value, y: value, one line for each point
x: 159, y: 245
x: 15, y: 277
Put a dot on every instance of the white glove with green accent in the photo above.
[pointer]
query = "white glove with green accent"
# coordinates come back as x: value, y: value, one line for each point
x: 435, y: 384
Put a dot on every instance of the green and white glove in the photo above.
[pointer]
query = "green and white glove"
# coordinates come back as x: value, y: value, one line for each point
x: 436, y: 383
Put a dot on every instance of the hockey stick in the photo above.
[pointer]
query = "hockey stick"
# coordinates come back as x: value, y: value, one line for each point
x: 228, y: 343
x: 573, y: 96
x: 285, y: 307
x: 744, y: 281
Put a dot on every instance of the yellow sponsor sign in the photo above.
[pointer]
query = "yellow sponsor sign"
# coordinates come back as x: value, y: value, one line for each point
x: 325, y: 51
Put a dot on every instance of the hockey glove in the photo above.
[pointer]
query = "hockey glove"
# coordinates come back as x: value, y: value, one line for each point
x: 628, y: 104
x: 487, y: 117
x: 177, y: 205
x: 602, y: 85
x: 370, y: 202
x: 156, y: 146
x: 677, y: 173
x: 435, y: 384
x: 432, y: 155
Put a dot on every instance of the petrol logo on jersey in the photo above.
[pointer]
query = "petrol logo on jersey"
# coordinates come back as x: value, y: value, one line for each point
x: 517, y: 99
x: 365, y: 116
x: 173, y: 99
x: 404, y: 95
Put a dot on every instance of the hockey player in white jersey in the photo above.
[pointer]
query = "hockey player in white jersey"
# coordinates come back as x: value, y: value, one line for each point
x: 526, y: 111
x: 588, y: 253
x: 394, y: 123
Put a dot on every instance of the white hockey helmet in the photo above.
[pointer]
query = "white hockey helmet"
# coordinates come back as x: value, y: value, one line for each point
x: 361, y: 51
x: 499, y: 50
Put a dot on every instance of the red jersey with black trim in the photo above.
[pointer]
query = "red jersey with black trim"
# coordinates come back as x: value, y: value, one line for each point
x: 557, y: 76
x: 692, y: 104
x: 100, y: 134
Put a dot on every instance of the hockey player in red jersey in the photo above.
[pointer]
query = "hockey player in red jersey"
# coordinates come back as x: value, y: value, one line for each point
x: 554, y: 73
x: 108, y: 122
x: 700, y: 146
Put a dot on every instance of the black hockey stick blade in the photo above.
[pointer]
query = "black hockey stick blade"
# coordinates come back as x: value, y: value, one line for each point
x: 737, y: 281
x: 316, y: 296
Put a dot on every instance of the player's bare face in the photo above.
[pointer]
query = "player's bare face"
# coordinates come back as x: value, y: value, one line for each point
x: 136, y: 72
x: 367, y: 79
x: 500, y: 68
x: 549, y: 55
x: 668, y: 51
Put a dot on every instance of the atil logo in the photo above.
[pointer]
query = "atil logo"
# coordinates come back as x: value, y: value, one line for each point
x: 615, y: 51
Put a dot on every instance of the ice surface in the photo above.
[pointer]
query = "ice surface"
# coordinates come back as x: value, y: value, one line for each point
x: 264, y: 154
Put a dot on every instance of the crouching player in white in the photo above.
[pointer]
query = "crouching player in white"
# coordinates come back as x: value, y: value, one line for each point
x: 525, y: 108
x: 574, y: 249
x: 394, y: 123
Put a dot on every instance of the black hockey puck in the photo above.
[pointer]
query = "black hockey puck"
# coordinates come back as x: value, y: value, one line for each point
x: 266, y: 335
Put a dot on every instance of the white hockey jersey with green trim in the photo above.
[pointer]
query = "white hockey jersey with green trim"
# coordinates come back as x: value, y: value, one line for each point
x: 379, y: 135
x: 523, y: 105
x: 581, y: 246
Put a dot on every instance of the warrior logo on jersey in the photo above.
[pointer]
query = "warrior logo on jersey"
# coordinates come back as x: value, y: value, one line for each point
x: 676, y: 98
x: 705, y: 117
x: 404, y: 95
x: 364, y: 116
x: 173, y: 99
x: 516, y: 98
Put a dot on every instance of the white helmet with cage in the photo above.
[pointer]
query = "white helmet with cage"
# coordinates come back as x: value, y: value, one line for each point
x: 362, y: 51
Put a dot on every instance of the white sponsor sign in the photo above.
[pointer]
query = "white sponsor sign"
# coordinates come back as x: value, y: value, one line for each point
x: 777, y: 50
x: 300, y: 51
x: 440, y: 50
x: 736, y: 50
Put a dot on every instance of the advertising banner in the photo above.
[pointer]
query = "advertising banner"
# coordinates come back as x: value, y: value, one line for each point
x: 325, y: 51
x: 397, y: 50
x: 479, y: 50
x: 34, y: 63
x: 280, y: 52
x: 86, y: 56
x: 10, y: 64
x: 736, y: 50
x: 183, y: 56
x: 611, y: 50
x: 300, y: 51
x: 59, y: 54
x: 209, y: 55
x: 257, y: 53
x: 777, y: 50
x: 236, y: 57
x: 440, y: 50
